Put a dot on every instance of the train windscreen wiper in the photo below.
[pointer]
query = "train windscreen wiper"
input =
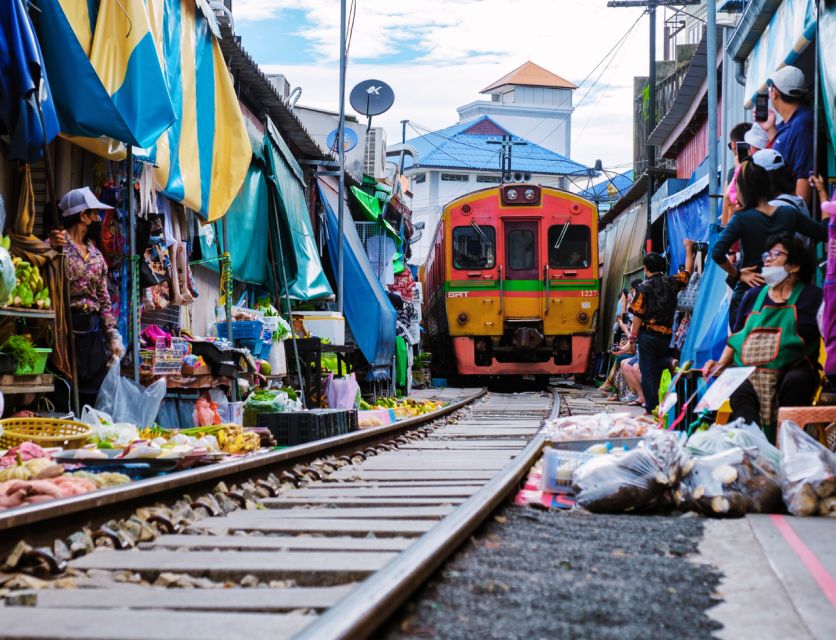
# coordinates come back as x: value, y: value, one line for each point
x: 562, y: 235
x: 481, y: 233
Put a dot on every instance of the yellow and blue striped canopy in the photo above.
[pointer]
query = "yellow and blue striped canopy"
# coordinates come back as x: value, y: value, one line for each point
x: 104, y: 70
x: 149, y: 73
x: 203, y: 158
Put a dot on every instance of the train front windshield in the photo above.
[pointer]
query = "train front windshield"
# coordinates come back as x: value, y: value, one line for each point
x: 474, y: 247
x: 569, y: 246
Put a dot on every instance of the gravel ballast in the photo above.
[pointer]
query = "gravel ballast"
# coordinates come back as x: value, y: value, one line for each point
x: 530, y: 574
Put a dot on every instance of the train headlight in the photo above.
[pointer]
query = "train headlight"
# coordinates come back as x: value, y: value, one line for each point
x: 583, y: 317
x: 462, y: 318
x: 511, y: 194
x: 530, y: 194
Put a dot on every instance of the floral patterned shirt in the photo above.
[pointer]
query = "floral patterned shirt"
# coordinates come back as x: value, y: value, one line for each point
x: 88, y: 286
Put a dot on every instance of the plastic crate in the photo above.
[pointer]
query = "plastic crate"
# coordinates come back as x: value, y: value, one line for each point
x: 241, y: 330
x: 39, y: 366
x: 299, y: 427
x: 559, y: 465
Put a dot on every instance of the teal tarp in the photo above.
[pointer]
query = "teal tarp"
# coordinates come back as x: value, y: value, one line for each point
x: 248, y: 220
x: 305, y: 277
x: 827, y: 56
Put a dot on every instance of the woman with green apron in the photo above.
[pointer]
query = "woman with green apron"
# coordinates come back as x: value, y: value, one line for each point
x: 776, y: 332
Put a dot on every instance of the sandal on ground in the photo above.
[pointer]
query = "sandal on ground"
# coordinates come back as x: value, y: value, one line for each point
x: 635, y: 403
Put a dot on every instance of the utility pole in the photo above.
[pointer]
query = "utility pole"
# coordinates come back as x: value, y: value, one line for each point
x: 341, y: 150
x: 507, y: 144
x: 711, y: 37
x: 650, y: 6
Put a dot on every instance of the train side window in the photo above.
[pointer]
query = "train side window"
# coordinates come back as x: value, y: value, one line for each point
x: 520, y: 249
x: 569, y: 246
x: 474, y: 247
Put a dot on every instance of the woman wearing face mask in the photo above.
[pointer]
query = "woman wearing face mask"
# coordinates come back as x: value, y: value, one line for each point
x: 776, y: 331
x: 758, y: 220
x: 97, y: 341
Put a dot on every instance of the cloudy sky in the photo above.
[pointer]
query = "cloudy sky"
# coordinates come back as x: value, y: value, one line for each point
x: 438, y: 54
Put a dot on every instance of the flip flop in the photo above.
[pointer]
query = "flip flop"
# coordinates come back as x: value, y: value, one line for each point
x: 635, y: 403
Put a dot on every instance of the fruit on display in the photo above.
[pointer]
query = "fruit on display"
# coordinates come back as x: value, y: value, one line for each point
x: 228, y: 438
x: 403, y: 407
x: 30, y: 289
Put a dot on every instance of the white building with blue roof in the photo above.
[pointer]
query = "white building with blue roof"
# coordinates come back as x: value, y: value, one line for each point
x: 530, y: 104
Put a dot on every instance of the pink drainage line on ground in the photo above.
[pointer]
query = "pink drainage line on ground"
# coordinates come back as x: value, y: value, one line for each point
x: 820, y: 574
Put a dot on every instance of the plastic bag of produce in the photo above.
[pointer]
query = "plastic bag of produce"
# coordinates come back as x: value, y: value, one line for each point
x: 8, y: 280
x: 721, y: 437
x: 808, y: 473
x: 126, y: 401
x: 619, y: 483
x: 667, y: 449
x: 341, y: 393
x: 730, y: 484
x: 118, y: 434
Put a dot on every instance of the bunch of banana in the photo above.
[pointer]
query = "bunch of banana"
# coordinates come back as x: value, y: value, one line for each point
x: 233, y: 439
x: 30, y: 290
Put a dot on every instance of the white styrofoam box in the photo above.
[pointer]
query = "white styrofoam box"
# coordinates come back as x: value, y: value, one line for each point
x: 278, y: 359
x: 324, y: 324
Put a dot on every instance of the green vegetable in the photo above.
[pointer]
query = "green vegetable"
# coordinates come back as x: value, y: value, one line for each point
x: 21, y: 350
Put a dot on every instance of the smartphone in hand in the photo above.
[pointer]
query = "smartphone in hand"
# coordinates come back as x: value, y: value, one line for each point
x: 761, y: 107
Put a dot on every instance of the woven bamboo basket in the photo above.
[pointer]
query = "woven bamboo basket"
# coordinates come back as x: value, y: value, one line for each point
x: 45, y: 432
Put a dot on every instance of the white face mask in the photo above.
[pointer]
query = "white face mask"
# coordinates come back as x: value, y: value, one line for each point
x: 774, y: 275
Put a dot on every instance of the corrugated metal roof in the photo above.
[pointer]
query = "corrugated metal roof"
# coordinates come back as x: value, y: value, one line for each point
x: 456, y: 148
x: 685, y: 95
x: 531, y: 75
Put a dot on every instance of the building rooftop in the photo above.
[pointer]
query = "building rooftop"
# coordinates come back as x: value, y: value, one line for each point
x: 531, y: 75
x: 472, y: 145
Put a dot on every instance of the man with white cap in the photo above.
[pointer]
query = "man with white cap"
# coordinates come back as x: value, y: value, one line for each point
x: 780, y: 179
x: 97, y: 340
x: 755, y: 138
x: 793, y: 136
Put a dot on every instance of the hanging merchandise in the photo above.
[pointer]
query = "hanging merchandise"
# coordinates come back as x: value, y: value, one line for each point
x: 27, y: 113
x: 34, y: 251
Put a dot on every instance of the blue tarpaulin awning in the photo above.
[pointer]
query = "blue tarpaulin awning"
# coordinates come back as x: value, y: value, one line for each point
x: 370, y: 315
x: 27, y: 113
x: 687, y: 215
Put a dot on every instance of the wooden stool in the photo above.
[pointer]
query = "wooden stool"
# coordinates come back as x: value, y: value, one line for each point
x: 821, y: 418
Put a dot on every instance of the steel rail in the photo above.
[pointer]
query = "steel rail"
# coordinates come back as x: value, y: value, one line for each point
x: 87, y: 505
x: 361, y: 612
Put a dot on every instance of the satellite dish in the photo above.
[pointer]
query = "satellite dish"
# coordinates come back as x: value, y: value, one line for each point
x: 350, y: 140
x: 371, y: 97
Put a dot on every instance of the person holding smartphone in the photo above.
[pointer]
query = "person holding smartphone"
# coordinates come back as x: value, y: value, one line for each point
x: 753, y: 138
x: 793, y: 136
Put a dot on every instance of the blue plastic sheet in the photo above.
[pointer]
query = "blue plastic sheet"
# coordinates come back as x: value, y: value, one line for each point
x: 709, y: 322
x: 691, y: 220
x: 27, y: 112
x: 370, y: 315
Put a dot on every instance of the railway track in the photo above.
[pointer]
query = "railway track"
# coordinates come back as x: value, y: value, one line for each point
x: 332, y: 558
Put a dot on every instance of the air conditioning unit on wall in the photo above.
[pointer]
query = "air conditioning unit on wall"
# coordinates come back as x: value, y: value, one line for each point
x: 375, y: 157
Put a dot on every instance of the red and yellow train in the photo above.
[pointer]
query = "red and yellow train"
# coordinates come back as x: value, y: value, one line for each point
x: 511, y: 283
